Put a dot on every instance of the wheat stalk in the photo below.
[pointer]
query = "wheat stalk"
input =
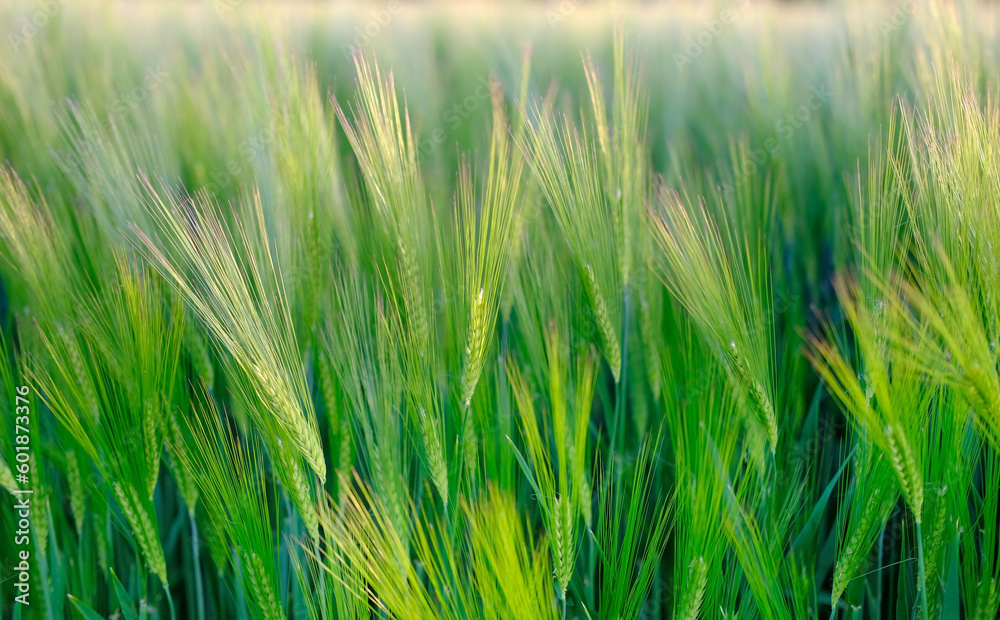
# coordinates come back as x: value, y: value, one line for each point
x: 228, y: 277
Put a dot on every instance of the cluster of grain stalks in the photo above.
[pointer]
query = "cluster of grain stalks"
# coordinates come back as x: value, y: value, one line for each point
x: 645, y: 340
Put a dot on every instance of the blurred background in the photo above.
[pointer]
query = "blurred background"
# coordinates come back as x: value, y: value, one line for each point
x: 722, y: 76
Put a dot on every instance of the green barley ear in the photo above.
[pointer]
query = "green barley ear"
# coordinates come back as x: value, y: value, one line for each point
x: 587, y: 366
x: 234, y: 493
x: 386, y: 152
x: 879, y: 227
x: 551, y: 361
x: 384, y: 145
x: 596, y: 185
x: 336, y: 588
x: 286, y: 462
x: 339, y: 422
x: 360, y: 344
x: 622, y: 145
x: 127, y: 344
x: 951, y: 466
x: 306, y: 203
x: 218, y: 547
x: 227, y: 275
x: 184, y: 477
x: 703, y: 263
x: 293, y: 476
x: 117, y: 449
x: 77, y: 497
x: 364, y: 537
x: 36, y: 259
x: 891, y: 407
x: 864, y: 515
x: 650, y: 311
x: 137, y: 326
x: 566, y: 166
x: 632, y: 531
x: 102, y: 537
x: 510, y: 572
x: 197, y: 348
x: 962, y: 355
x: 950, y: 156
x: 550, y: 481
x: 424, y: 401
x: 700, y: 409
x: 140, y: 515
x: 486, y: 241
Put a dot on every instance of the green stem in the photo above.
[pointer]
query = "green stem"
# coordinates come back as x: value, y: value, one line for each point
x: 198, y: 587
x: 241, y: 597
x: 142, y: 577
x: 170, y: 602
x: 592, y: 572
x: 923, y: 578
x: 881, y: 548
x: 564, y: 606
x: 620, y: 385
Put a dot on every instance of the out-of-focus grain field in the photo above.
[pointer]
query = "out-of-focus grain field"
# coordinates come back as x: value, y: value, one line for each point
x: 499, y: 310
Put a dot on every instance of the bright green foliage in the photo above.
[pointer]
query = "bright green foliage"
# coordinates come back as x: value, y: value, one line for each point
x: 230, y: 280
x: 109, y: 386
x: 560, y: 494
x: 319, y: 331
x: 233, y: 490
x: 486, y: 242
x: 368, y: 369
x: 594, y: 183
x: 701, y: 414
x: 864, y: 515
x: 702, y: 264
x: 633, y: 535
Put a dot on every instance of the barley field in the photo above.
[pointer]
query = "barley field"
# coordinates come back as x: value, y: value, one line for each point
x: 484, y: 310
